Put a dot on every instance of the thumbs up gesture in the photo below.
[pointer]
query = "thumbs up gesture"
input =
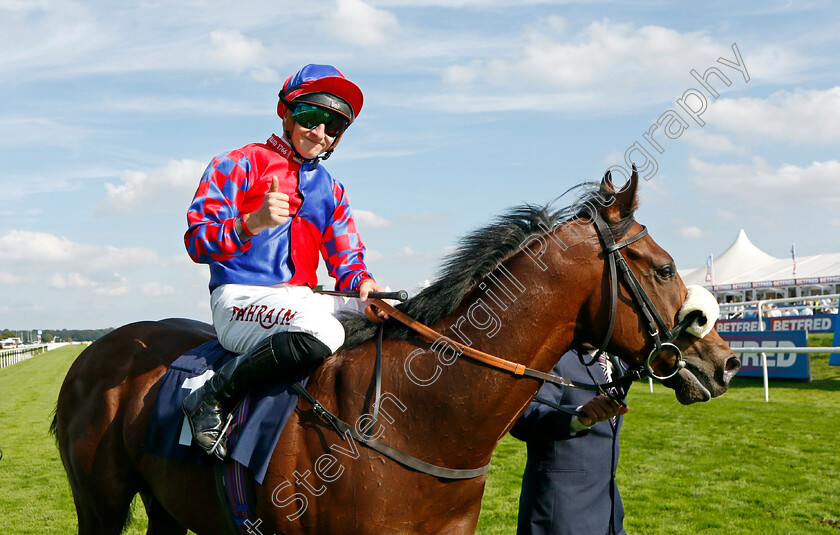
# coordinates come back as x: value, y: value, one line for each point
x: 273, y: 212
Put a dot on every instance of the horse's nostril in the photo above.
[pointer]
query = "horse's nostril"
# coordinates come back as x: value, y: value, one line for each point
x: 733, y: 364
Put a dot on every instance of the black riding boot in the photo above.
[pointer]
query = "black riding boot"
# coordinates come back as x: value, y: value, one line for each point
x: 282, y: 355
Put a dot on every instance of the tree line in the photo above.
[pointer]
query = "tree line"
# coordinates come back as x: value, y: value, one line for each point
x: 63, y: 335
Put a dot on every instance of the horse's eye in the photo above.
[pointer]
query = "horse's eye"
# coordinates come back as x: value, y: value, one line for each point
x: 666, y: 272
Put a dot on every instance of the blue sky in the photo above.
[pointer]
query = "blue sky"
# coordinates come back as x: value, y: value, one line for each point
x: 109, y: 112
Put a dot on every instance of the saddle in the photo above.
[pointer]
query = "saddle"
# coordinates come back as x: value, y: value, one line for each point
x: 257, y: 421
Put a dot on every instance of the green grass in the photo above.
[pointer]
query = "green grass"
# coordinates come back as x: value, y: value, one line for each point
x: 34, y: 493
x: 733, y: 465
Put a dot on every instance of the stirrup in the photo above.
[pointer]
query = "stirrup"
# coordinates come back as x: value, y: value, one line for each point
x: 221, y: 453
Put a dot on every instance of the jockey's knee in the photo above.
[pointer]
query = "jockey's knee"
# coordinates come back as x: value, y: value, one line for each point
x: 297, y: 351
x: 330, y: 332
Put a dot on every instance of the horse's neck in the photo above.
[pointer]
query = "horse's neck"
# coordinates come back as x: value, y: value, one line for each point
x: 518, y: 313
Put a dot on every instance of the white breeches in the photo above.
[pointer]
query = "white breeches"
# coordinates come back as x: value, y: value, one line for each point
x: 244, y: 315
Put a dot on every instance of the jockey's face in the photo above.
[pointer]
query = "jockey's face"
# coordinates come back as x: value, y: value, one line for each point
x: 309, y: 142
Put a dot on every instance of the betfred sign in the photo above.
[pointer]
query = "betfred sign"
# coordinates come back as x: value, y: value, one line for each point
x: 823, y: 323
x: 780, y: 365
x: 736, y: 326
x: 819, y: 323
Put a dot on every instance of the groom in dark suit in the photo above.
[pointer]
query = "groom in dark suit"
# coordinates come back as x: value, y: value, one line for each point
x: 569, y: 485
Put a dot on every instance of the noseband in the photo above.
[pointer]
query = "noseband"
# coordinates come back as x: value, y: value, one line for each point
x: 663, y: 337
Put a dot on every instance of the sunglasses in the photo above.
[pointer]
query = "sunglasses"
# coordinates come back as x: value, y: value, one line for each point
x: 309, y: 116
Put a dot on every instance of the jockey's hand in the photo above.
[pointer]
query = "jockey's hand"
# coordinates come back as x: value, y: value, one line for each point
x: 599, y: 409
x: 367, y: 286
x: 273, y: 212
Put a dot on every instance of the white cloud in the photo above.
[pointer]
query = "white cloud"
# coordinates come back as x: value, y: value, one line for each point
x: 604, y: 50
x: 360, y: 23
x: 24, y: 5
x: 10, y: 278
x: 156, y: 289
x: 455, y: 4
x: 113, y: 288
x: 797, y: 117
x: 69, y: 38
x: 692, y: 233
x: 165, y: 105
x: 39, y: 247
x: 606, y: 65
x: 41, y: 259
x: 373, y: 256
x: 366, y: 218
x: 711, y: 143
x: 113, y: 285
x: 36, y: 250
x: 40, y: 38
x: 170, y: 187
x: 761, y: 184
x: 71, y: 280
x: 7, y: 309
x: 265, y: 75
x: 232, y: 50
x: 410, y: 256
x: 26, y: 131
x: 462, y: 74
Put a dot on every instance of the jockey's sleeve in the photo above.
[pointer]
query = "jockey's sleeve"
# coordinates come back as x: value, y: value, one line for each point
x: 211, y: 236
x: 342, y: 247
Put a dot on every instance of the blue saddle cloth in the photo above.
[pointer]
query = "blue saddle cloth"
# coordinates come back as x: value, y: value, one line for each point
x: 257, y: 423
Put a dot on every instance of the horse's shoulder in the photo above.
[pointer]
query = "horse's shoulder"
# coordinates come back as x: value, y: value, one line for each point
x: 349, y: 372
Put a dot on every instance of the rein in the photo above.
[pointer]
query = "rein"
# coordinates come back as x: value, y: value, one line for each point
x: 430, y: 335
x: 615, y: 390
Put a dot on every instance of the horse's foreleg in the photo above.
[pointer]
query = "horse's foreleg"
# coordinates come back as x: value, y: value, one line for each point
x: 160, y: 521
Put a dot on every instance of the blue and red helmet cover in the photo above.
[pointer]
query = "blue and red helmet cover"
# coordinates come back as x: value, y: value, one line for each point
x: 317, y: 79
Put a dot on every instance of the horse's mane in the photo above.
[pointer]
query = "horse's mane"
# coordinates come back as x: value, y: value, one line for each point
x: 478, y: 254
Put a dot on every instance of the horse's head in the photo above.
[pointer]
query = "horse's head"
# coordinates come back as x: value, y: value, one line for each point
x: 645, y: 296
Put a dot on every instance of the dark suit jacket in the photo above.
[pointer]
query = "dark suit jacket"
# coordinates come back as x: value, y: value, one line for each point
x: 566, y: 484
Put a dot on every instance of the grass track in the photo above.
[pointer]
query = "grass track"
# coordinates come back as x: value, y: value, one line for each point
x: 734, y: 465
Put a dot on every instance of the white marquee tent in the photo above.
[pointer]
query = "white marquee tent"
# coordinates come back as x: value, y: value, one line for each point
x: 745, y: 272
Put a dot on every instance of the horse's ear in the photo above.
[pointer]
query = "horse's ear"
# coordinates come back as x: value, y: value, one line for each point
x: 622, y: 203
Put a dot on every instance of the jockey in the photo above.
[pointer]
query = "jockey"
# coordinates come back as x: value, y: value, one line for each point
x: 259, y: 219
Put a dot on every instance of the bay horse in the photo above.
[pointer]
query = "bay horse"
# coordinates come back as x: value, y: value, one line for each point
x: 526, y: 287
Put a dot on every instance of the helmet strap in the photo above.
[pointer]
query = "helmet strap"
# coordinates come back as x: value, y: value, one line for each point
x: 288, y: 134
x: 331, y: 148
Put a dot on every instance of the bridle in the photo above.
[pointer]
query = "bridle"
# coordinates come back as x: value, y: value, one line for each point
x: 663, y: 339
